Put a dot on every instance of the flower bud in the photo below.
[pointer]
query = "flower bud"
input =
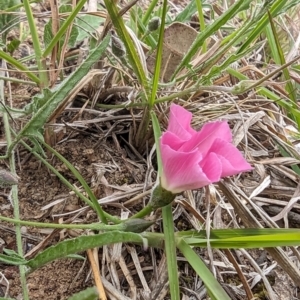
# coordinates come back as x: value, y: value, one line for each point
x: 154, y: 24
x: 7, y: 178
x: 117, y: 47
x: 137, y: 225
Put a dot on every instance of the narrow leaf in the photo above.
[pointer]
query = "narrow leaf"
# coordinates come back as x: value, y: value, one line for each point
x: 72, y: 246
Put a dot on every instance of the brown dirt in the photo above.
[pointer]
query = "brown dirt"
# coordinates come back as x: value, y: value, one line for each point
x: 39, y: 187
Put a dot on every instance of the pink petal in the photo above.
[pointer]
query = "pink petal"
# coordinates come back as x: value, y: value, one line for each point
x: 180, y: 122
x: 212, y: 167
x: 204, y: 139
x: 172, y: 140
x: 181, y: 171
x: 232, y: 160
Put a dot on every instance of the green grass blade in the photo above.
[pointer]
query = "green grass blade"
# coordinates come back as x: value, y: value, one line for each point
x: 244, y: 238
x: 158, y: 55
x: 19, y: 66
x: 170, y: 251
x: 280, y: 56
x: 214, y: 289
x: 210, y: 29
x: 121, y: 30
x: 62, y: 30
x: 262, y: 22
x: 41, y: 63
x: 149, y: 11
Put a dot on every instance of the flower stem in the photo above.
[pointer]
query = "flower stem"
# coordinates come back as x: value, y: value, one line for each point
x: 142, y: 213
x: 170, y: 250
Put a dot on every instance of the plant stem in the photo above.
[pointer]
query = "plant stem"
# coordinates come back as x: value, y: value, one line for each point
x: 201, y: 21
x: 92, y: 226
x: 14, y: 193
x: 170, y: 250
x: 142, y: 213
x: 36, y: 45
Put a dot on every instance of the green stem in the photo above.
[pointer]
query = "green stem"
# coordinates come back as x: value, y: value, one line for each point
x: 142, y: 213
x: 158, y: 56
x: 19, y: 66
x: 93, y: 226
x: 201, y: 21
x: 15, y: 199
x: 170, y: 250
x: 36, y: 44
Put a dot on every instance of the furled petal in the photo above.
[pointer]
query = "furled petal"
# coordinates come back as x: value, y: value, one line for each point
x: 181, y: 171
x: 232, y: 160
x: 204, y: 139
x: 180, y: 122
x: 171, y: 139
x: 212, y: 167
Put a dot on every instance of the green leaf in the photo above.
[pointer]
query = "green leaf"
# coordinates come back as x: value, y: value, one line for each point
x: 123, y: 34
x: 7, y: 20
x: 72, y: 246
x: 88, y: 294
x: 13, y: 45
x: 243, y: 238
x: 213, y: 287
x: 39, y: 100
x: 62, y: 30
x: 19, y: 66
x: 210, y: 29
x: 187, y: 13
x: 87, y: 24
x: 12, y: 258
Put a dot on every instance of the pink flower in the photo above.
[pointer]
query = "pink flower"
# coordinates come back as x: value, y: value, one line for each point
x: 192, y: 159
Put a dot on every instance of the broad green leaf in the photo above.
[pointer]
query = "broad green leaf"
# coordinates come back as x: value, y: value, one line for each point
x: 39, y: 100
x: 88, y: 294
x: 87, y: 24
x: 62, y: 30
